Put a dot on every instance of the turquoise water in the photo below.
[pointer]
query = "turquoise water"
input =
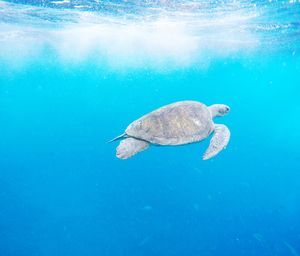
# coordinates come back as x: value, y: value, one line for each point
x: 73, y: 75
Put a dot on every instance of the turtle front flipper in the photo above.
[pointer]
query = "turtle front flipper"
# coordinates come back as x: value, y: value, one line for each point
x: 218, y: 142
x: 129, y: 147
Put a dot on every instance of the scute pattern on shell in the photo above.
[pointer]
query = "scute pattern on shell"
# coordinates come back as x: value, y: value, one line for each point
x: 175, y: 124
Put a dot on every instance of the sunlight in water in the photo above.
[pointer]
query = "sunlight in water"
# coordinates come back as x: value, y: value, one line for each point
x: 166, y: 38
x: 158, y: 36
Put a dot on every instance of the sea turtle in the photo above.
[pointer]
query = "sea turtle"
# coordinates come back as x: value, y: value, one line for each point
x: 178, y: 123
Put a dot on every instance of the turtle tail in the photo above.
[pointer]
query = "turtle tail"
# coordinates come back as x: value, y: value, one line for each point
x: 124, y: 135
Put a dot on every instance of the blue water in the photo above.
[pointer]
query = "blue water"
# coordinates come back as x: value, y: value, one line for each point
x: 73, y: 75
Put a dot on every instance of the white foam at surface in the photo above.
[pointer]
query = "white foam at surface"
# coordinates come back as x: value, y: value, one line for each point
x: 177, y: 40
x: 157, y: 42
x: 61, y: 2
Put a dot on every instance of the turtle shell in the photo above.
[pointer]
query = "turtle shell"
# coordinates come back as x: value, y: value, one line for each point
x: 175, y: 124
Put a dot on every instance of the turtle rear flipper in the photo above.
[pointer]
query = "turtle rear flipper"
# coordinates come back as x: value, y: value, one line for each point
x: 129, y: 147
x: 218, y: 142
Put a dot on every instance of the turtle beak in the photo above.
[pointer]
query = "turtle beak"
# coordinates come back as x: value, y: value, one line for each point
x: 225, y: 110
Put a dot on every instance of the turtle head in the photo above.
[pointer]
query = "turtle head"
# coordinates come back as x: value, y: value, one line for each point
x: 219, y: 110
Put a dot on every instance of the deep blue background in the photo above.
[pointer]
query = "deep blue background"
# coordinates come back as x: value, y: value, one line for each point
x: 63, y: 191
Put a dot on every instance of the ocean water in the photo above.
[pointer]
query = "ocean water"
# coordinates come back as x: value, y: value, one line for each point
x: 74, y: 74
